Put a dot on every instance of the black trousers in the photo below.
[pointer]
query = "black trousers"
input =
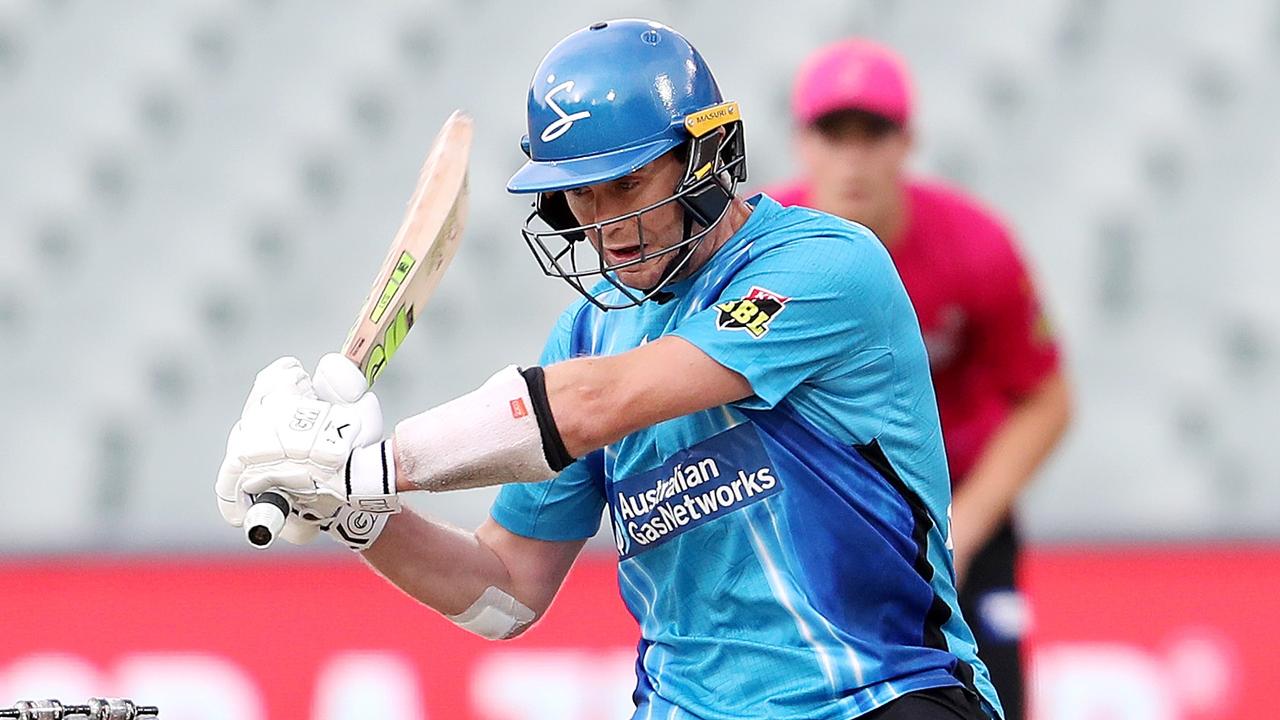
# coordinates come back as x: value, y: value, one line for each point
x: 951, y: 703
x: 992, y: 607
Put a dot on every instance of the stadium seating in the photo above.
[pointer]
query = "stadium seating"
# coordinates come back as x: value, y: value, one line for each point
x: 192, y: 188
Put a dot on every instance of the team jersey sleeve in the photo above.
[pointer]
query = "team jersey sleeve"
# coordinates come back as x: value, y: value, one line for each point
x: 1015, y: 339
x: 805, y: 310
x: 569, y: 506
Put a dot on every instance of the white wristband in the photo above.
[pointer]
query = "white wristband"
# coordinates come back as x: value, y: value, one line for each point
x: 369, y: 481
x: 370, y: 478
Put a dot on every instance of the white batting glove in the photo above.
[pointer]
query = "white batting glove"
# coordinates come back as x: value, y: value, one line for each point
x: 322, y: 452
x: 369, y: 476
x: 284, y: 376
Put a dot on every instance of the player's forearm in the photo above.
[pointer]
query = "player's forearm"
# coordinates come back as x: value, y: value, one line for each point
x: 492, y: 582
x: 526, y: 426
x: 440, y: 566
x: 499, y: 433
x: 1009, y: 461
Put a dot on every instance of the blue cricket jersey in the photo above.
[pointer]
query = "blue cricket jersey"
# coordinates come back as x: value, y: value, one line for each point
x: 785, y: 556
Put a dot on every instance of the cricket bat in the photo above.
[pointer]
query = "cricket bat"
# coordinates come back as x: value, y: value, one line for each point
x: 423, y: 246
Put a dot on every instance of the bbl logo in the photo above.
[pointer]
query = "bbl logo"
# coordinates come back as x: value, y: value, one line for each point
x: 752, y: 313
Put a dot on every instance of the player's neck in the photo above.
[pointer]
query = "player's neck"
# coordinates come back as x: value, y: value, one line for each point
x: 891, y: 223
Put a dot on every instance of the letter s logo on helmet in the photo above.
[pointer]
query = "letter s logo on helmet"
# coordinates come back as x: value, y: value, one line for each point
x: 646, y: 91
x: 565, y: 121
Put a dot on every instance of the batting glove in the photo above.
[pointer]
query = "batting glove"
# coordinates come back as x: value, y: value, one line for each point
x: 317, y: 442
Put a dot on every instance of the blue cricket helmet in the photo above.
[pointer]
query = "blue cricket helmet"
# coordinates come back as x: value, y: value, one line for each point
x: 607, y: 100
x: 604, y: 102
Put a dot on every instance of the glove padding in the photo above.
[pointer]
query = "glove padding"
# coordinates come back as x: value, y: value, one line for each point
x: 292, y: 439
x: 371, y: 501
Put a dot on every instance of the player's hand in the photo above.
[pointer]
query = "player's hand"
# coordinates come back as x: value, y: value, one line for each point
x: 284, y: 377
x: 297, y: 436
x: 370, y: 483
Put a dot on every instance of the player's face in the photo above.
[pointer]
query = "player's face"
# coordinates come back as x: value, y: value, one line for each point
x: 855, y: 163
x: 619, y: 242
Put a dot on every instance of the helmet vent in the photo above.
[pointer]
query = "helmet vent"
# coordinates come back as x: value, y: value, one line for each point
x: 599, y: 26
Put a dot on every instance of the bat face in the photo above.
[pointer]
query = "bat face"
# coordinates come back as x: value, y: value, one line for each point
x: 424, y: 245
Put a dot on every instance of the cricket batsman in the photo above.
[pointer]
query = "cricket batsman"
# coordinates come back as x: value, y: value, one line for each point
x: 1002, y: 395
x: 743, y: 388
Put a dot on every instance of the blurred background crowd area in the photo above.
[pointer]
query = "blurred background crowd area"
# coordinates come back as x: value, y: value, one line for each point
x: 195, y: 187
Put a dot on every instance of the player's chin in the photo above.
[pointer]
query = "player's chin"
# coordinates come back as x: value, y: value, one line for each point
x: 641, y: 276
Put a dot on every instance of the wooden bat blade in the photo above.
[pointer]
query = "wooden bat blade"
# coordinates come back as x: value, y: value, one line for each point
x: 423, y: 247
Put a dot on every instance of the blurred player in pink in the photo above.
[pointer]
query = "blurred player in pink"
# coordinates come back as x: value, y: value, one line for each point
x: 1002, y: 395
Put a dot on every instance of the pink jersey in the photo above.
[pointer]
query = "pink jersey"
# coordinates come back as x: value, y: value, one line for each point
x: 988, y: 339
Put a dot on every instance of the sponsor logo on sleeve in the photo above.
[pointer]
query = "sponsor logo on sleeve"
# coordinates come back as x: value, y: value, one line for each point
x: 751, y: 313
x: 718, y: 476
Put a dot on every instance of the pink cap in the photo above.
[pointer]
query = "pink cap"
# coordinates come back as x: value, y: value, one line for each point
x: 853, y: 75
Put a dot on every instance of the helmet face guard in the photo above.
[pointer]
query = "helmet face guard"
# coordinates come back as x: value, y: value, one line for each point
x: 715, y: 164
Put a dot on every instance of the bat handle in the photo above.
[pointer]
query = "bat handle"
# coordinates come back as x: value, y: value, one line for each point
x: 265, y: 518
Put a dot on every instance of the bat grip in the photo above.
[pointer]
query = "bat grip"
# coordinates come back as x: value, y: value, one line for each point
x: 265, y: 518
